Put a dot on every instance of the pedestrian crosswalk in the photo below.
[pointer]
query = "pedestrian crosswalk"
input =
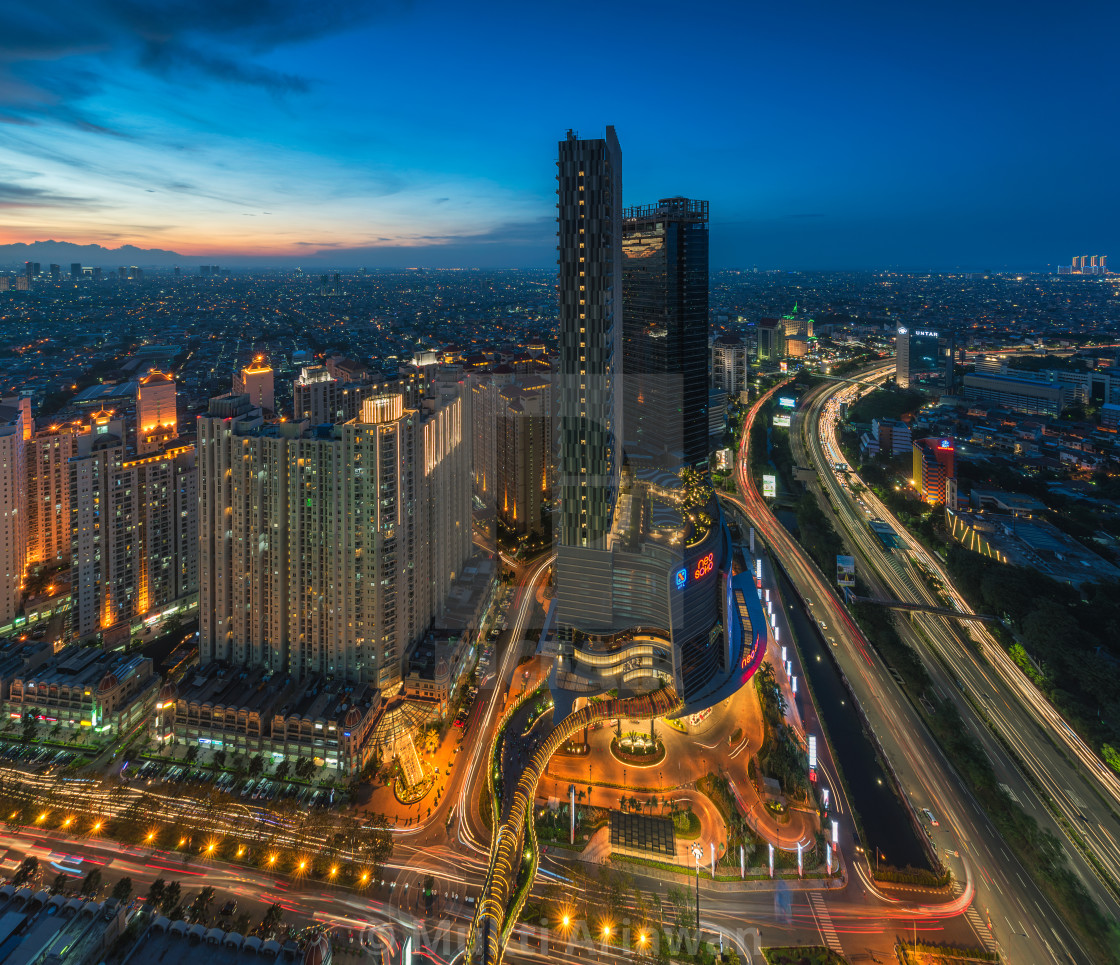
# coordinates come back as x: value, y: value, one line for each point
x: 824, y: 923
x: 981, y: 929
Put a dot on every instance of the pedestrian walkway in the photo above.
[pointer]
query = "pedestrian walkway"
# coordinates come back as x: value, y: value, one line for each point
x: 982, y: 930
x: 824, y: 923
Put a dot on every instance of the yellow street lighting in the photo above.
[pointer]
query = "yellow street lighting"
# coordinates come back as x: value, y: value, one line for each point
x: 642, y: 939
x: 97, y: 826
x: 42, y: 817
x: 365, y: 876
x: 606, y: 932
x: 334, y: 871
x: 272, y: 859
x: 567, y: 921
x: 182, y: 841
x: 240, y: 851
x: 302, y: 865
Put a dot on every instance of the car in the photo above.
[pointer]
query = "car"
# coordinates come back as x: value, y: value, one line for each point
x: 824, y: 626
x: 929, y: 817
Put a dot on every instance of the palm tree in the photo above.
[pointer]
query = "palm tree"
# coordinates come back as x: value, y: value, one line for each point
x: 653, y: 802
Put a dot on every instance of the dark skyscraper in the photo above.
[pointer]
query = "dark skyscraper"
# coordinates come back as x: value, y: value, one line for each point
x: 76, y: 270
x: 590, y: 276
x: 665, y: 333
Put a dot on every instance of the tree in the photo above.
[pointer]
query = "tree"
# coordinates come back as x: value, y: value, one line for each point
x: 91, y: 883
x: 30, y: 724
x: 192, y: 753
x: 272, y: 920
x: 122, y: 890
x: 27, y: 870
x: 220, y: 758
x: 200, y: 907
x: 60, y: 882
x: 155, y: 893
x: 170, y: 898
x: 281, y: 770
x: 256, y: 765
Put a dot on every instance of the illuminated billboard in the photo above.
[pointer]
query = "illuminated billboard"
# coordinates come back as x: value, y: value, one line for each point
x: 680, y: 578
x: 845, y: 571
x: 787, y: 401
x: 769, y: 486
x: 781, y: 419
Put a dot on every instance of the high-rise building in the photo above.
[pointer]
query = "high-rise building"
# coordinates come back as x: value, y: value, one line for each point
x: 917, y: 352
x: 122, y: 273
x: 13, y: 503
x: 523, y: 449
x: 934, y: 464
x: 256, y: 381
x: 641, y: 550
x: 665, y: 333
x: 157, y: 420
x: 23, y: 283
x: 56, y: 272
x: 133, y: 528
x: 329, y: 549
x: 76, y: 271
x: 49, y: 452
x: 771, y: 346
x: 590, y: 338
x: 730, y: 370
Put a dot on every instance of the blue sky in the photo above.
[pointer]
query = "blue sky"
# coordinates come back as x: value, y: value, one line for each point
x: 860, y: 135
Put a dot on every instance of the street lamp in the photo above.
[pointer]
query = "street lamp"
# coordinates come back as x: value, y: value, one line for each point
x: 697, y: 853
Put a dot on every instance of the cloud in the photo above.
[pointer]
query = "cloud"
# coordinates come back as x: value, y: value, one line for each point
x: 51, y: 60
x: 22, y: 196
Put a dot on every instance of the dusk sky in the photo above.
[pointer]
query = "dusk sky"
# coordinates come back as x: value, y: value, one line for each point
x: 825, y: 135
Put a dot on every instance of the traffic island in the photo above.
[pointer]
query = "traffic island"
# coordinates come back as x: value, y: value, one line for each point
x: 637, y: 750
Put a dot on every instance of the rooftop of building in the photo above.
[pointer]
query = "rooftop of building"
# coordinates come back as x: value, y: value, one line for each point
x: 79, y: 666
x: 268, y: 694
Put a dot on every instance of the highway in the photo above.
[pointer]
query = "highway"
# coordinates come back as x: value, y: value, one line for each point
x: 1008, y: 912
x: 1046, y: 749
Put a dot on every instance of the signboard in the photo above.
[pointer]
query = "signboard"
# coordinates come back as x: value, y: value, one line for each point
x: 704, y: 566
x: 845, y: 571
x: 783, y: 367
x: 680, y: 578
x: 769, y: 486
x: 787, y: 401
x: 782, y: 419
x: 812, y: 752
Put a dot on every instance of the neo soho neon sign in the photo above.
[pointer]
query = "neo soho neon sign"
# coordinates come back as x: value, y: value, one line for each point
x: 704, y: 566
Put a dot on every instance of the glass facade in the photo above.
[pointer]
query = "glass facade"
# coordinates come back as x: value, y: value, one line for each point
x: 665, y: 333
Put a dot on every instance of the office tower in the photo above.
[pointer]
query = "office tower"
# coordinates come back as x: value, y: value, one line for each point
x: 5, y: 283
x: 56, y: 272
x: 214, y: 270
x: 771, y: 346
x: 133, y: 528
x: 917, y: 352
x: 204, y: 270
x: 136, y: 274
x: 665, y: 333
x: 329, y: 549
x: 49, y: 452
x: 157, y: 421
x: 178, y: 271
x: 255, y: 381
x: 13, y: 503
x: 97, y: 274
x: 23, y: 283
x: 75, y: 270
